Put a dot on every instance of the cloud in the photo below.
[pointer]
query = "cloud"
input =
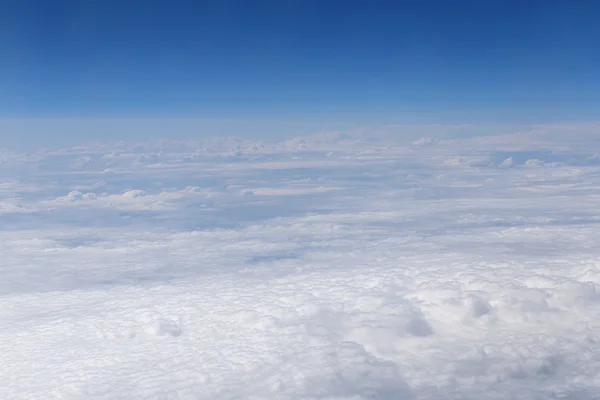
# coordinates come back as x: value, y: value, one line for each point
x: 360, y: 267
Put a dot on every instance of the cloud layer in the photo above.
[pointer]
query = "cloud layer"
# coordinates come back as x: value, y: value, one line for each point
x: 339, y: 266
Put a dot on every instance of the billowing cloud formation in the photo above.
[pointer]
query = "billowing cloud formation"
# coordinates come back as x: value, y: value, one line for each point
x: 341, y: 266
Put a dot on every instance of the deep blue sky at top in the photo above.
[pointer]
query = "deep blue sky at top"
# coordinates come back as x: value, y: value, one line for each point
x: 282, y: 57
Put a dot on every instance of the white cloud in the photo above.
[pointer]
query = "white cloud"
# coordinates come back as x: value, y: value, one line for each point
x: 385, y: 270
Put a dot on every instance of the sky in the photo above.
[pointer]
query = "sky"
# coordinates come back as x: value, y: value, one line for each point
x: 353, y: 61
x: 461, y: 263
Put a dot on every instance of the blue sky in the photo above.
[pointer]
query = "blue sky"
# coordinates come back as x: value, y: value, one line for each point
x: 283, y: 59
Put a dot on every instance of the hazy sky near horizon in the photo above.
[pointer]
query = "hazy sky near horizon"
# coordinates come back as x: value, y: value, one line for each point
x: 353, y: 61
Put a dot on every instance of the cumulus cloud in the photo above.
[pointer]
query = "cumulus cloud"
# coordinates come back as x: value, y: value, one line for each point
x: 357, y: 269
